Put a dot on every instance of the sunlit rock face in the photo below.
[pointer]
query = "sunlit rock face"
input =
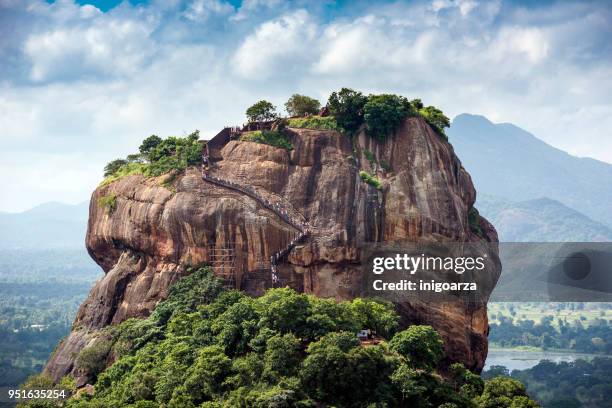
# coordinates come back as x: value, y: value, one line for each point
x: 160, y: 226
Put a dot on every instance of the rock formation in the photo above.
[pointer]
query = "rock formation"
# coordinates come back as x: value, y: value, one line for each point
x: 160, y: 225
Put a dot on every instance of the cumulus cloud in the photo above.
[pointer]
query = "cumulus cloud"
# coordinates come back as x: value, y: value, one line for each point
x: 106, y: 45
x: 200, y: 10
x: 276, y: 46
x: 79, y: 87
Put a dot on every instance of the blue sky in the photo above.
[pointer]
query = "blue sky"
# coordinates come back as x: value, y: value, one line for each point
x: 84, y: 82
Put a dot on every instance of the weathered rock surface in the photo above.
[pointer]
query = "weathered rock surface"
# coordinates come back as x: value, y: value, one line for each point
x: 155, y: 231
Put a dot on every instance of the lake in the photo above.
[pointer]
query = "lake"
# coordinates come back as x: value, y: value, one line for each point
x: 514, y: 359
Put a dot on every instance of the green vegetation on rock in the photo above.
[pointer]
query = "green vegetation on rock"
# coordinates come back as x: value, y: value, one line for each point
x: 370, y: 179
x: 92, y: 359
x: 157, y: 156
x: 382, y: 114
x: 108, y: 202
x: 314, y: 122
x: 269, y: 137
x: 207, y: 347
x: 346, y: 106
x: 436, y: 119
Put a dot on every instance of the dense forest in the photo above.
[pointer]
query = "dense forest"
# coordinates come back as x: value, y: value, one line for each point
x: 208, y: 347
x: 586, y: 384
x: 40, y: 292
x: 587, y: 335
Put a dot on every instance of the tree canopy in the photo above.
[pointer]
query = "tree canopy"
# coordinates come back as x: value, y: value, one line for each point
x: 157, y: 156
x: 301, y: 105
x: 261, y: 111
x: 208, y: 347
x: 384, y: 113
x: 346, y: 106
x: 436, y: 118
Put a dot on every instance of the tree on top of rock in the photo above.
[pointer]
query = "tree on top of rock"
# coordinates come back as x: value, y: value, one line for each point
x: 302, y: 105
x: 346, y: 106
x: 261, y: 111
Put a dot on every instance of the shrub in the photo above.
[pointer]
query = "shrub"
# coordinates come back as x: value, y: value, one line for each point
x: 108, y: 202
x: 370, y: 179
x: 175, y: 153
x: 162, y: 156
x: 436, y: 119
x: 346, y: 106
x: 128, y: 169
x: 269, y: 137
x: 113, y: 166
x: 261, y: 111
x: 300, y: 105
x: 315, y: 122
x: 92, y: 359
x: 384, y: 113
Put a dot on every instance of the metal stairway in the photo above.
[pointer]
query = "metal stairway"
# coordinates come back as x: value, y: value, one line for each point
x: 278, y: 208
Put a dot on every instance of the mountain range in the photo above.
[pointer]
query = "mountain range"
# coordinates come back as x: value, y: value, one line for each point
x: 532, y: 191
x: 50, y: 225
x: 511, y: 163
x: 540, y: 220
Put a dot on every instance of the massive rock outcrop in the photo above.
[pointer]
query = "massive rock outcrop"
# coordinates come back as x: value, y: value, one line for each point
x: 161, y: 225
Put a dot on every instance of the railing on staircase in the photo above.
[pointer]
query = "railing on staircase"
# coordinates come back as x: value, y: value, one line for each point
x: 277, y: 208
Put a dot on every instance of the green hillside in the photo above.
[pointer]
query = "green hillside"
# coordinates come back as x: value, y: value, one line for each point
x: 208, y: 347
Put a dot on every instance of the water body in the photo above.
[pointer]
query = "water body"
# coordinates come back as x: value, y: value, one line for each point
x: 514, y: 359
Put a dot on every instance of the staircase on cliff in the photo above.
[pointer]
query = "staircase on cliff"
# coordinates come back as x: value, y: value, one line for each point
x: 222, y: 258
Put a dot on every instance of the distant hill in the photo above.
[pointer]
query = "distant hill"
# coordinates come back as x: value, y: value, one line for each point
x: 47, y: 226
x: 508, y: 162
x: 540, y: 220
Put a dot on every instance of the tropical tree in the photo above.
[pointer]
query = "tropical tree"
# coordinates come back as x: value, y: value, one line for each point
x: 420, y: 345
x: 150, y: 143
x: 346, y: 106
x: 261, y: 111
x: 384, y: 113
x: 301, y: 105
x: 504, y: 392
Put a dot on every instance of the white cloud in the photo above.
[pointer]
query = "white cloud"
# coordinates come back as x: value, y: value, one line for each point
x: 108, y: 46
x: 85, y: 86
x: 276, y: 46
x: 531, y: 43
x: 200, y: 10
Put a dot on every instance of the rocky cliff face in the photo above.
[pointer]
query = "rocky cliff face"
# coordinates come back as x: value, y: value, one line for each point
x: 161, y: 225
